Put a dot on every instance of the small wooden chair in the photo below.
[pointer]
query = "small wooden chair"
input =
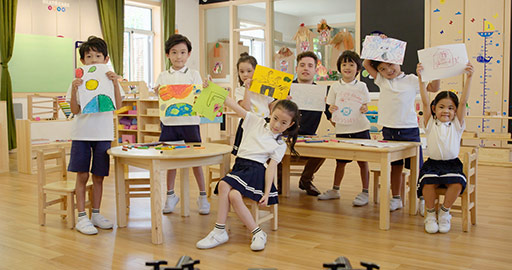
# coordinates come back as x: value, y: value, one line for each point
x: 136, y: 185
x: 468, y: 197
x: 62, y: 188
x: 260, y: 214
x: 214, y: 169
x: 403, y: 191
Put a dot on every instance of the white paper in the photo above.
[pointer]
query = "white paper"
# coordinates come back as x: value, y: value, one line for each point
x: 373, y: 143
x: 349, y: 106
x: 387, y: 50
x: 96, y: 93
x: 309, y: 97
x: 443, y: 61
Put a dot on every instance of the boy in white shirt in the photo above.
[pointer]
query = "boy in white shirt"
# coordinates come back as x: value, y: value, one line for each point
x: 91, y: 133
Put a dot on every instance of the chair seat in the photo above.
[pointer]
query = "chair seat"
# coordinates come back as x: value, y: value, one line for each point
x: 62, y: 186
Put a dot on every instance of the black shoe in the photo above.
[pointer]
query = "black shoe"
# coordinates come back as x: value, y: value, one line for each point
x: 309, y: 188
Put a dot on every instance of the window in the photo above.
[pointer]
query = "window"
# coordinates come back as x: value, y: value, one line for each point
x: 254, y: 39
x: 138, y: 44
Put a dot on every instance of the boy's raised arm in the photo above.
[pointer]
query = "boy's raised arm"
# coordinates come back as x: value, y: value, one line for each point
x: 75, y: 108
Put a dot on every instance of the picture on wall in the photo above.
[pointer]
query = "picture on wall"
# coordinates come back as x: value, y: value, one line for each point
x: 96, y: 93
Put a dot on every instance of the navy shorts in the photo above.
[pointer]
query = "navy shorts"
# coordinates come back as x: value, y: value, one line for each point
x: 358, y: 135
x: 403, y: 134
x: 189, y: 133
x: 80, y: 160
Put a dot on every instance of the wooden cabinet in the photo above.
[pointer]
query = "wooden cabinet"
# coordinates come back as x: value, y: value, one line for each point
x: 144, y: 122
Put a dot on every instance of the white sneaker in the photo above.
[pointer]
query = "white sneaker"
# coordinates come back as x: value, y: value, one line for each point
x: 444, y: 221
x: 203, y: 205
x: 258, y: 241
x: 101, y: 222
x: 170, y: 203
x: 421, y: 207
x: 214, y: 238
x: 330, y: 194
x: 431, y: 223
x: 85, y: 226
x: 395, y: 204
x: 361, y: 199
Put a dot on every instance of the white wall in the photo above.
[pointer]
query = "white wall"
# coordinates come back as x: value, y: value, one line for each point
x: 187, y: 23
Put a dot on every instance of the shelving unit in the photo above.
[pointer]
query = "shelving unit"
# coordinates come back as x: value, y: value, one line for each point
x: 145, y: 119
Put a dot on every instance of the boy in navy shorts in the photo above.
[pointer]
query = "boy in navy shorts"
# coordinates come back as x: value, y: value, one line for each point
x: 92, y: 135
x: 186, y: 128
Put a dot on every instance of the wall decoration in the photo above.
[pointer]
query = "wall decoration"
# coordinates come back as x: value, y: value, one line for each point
x: 271, y: 82
x: 210, y: 103
x: 96, y: 93
x: 324, y: 31
x: 443, y: 61
x: 177, y: 99
x: 387, y: 50
x: 304, y: 39
x: 284, y: 60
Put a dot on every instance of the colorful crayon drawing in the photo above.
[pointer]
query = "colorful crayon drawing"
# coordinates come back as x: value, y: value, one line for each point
x: 177, y: 99
x: 349, y: 105
x: 387, y: 50
x: 443, y: 61
x: 96, y: 93
x: 210, y: 102
x: 271, y: 82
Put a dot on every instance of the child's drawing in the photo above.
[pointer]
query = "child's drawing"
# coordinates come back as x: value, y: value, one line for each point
x: 177, y: 99
x: 210, y: 102
x: 443, y: 61
x: 349, y: 105
x: 309, y: 97
x: 97, y: 91
x: 387, y: 50
x: 271, y: 82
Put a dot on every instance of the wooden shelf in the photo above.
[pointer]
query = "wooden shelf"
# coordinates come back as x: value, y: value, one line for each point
x: 151, y: 131
x: 129, y: 130
x: 125, y: 114
x: 147, y: 115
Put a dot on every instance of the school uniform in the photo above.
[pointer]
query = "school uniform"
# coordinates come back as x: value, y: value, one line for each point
x: 443, y: 165
x: 259, y: 106
x: 257, y: 146
x: 92, y: 135
x: 396, y: 110
x: 360, y: 128
x: 181, y: 127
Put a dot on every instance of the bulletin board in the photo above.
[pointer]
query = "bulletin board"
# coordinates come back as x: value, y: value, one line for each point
x: 41, y: 63
x: 482, y: 27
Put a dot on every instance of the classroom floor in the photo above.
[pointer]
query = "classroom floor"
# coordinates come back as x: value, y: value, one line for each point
x: 310, y: 233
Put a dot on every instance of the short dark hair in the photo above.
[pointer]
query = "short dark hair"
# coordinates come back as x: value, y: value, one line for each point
x: 245, y: 58
x: 349, y: 56
x: 442, y: 95
x: 175, y: 40
x: 307, y: 54
x: 93, y: 44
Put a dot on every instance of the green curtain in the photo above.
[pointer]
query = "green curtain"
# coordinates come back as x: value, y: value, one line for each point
x: 112, y: 25
x: 7, y: 27
x: 169, y: 16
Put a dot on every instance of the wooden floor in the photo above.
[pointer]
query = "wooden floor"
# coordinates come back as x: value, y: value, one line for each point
x: 311, y: 232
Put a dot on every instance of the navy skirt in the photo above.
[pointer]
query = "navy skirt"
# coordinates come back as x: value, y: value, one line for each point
x: 441, y: 172
x: 248, y: 177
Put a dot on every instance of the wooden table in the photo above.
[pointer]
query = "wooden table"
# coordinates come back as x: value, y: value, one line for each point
x: 157, y: 162
x: 349, y: 151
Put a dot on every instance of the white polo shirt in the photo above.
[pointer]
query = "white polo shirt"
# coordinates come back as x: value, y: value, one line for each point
x: 340, y: 88
x: 182, y: 76
x: 396, y: 101
x: 92, y: 126
x: 443, y: 139
x: 259, y: 103
x: 259, y: 143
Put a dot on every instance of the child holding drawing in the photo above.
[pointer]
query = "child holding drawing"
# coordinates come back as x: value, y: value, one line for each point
x: 92, y: 134
x: 343, y: 93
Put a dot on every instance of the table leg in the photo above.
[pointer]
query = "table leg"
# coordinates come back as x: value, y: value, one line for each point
x: 285, y: 176
x: 415, y: 165
x: 184, y: 191
x: 155, y: 183
x: 120, y: 193
x: 385, y: 179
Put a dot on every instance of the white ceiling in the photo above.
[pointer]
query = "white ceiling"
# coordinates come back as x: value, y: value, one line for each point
x: 311, y: 8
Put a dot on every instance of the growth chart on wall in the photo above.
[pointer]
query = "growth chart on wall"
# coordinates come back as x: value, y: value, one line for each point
x: 349, y: 105
x: 271, y: 82
x: 443, y: 61
x: 96, y: 93
x: 210, y: 103
x: 177, y: 99
x: 387, y: 50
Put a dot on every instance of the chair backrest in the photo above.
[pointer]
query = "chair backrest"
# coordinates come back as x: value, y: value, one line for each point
x: 43, y: 169
x: 221, y: 141
x: 470, y: 163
